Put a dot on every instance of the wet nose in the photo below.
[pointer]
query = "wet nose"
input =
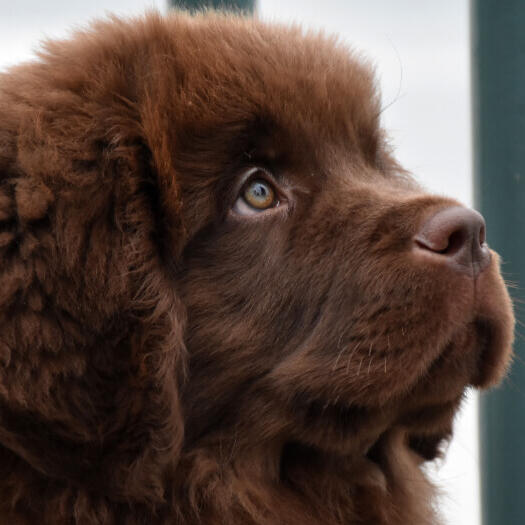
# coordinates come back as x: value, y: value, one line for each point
x: 457, y: 236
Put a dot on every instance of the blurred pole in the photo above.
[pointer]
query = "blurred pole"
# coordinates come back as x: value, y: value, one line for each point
x: 498, y: 83
x: 246, y: 6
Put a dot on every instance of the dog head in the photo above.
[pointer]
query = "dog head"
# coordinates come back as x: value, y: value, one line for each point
x: 204, y: 234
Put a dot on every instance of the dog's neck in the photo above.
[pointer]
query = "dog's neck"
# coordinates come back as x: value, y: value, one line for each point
x: 273, y: 483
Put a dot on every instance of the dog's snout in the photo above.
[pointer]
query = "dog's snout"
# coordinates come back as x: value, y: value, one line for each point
x: 457, y: 235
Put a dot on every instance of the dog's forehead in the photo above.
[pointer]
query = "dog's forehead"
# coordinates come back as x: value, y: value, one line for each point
x: 308, y: 84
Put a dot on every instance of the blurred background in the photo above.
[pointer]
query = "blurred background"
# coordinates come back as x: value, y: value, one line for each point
x: 420, y: 49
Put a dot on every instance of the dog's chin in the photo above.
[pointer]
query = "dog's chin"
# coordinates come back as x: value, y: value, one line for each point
x: 359, y: 431
x: 379, y: 444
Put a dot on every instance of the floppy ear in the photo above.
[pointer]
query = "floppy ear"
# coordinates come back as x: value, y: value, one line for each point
x: 91, y: 327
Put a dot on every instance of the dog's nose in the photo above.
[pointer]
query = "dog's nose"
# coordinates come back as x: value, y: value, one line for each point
x: 457, y: 235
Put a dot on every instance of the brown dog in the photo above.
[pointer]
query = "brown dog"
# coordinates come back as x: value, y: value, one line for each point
x: 222, y: 302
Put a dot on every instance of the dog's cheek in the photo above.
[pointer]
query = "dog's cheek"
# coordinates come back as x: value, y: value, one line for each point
x: 232, y: 287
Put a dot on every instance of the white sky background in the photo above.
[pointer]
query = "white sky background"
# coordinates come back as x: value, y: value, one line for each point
x: 421, y: 51
x: 23, y: 23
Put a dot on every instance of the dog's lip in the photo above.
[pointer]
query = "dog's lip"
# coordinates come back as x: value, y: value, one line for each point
x: 492, y: 354
x: 494, y: 323
x: 495, y: 327
x: 485, y: 346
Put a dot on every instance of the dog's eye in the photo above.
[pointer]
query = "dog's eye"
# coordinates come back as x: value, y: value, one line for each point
x: 257, y: 195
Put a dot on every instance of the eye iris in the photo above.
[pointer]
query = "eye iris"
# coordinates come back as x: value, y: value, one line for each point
x: 259, y: 194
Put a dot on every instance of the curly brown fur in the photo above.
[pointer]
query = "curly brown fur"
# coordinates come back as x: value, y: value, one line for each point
x: 164, y: 359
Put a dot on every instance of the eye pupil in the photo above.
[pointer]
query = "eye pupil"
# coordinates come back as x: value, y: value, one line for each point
x: 259, y: 191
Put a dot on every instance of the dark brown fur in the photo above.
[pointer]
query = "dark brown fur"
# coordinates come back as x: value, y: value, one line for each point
x: 163, y: 360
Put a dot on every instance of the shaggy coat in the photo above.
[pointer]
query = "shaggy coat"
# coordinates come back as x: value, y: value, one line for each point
x: 171, y: 354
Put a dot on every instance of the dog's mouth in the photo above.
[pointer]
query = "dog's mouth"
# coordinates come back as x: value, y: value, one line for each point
x: 383, y: 446
x: 425, y: 412
x: 473, y: 359
x: 475, y: 353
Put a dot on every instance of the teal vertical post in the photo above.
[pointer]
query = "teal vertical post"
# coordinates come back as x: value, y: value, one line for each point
x: 498, y: 89
x: 246, y: 6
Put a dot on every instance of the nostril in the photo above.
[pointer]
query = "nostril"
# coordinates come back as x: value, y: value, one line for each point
x: 457, y: 235
x: 456, y: 241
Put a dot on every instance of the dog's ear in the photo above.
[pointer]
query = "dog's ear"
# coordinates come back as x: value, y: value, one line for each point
x: 91, y: 327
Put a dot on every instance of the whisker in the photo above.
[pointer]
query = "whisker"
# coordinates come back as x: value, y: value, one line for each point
x: 360, y: 363
x: 338, y: 357
x: 349, y: 359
